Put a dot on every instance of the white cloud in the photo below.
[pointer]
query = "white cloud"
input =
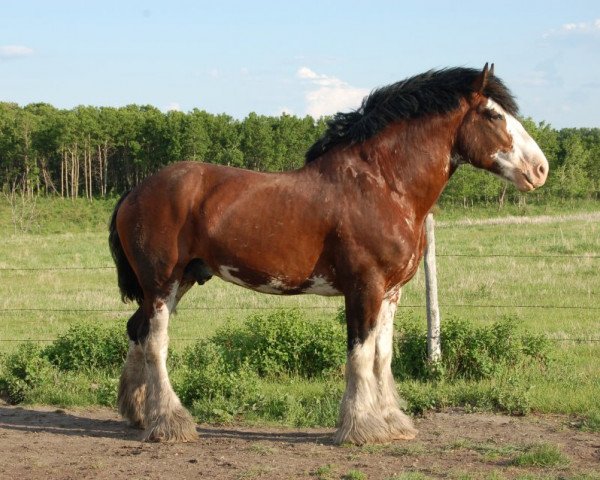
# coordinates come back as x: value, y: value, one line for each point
x: 284, y: 111
x: 173, y: 107
x: 307, y: 73
x: 329, y: 95
x: 14, y: 51
x: 576, y: 28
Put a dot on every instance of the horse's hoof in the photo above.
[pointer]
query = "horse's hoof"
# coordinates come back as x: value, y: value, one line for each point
x: 176, y: 427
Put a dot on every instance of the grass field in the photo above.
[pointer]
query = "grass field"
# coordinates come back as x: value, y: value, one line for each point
x: 547, y: 275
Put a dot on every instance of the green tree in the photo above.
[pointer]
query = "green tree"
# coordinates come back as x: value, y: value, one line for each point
x: 256, y: 142
x: 224, y: 149
x: 571, y: 180
x: 196, y: 140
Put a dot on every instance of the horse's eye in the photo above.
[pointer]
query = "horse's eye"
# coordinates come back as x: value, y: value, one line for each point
x: 495, y: 115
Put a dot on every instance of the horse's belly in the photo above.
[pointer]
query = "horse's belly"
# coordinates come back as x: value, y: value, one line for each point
x: 318, y: 285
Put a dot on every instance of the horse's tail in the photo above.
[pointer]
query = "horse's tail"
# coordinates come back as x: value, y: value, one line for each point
x: 128, y: 283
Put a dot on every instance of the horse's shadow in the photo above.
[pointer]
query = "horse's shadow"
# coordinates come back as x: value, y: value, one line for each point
x: 60, y: 422
x: 287, y: 436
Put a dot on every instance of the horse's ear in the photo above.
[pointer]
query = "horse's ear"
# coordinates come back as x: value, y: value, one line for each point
x: 492, y: 70
x: 482, y: 79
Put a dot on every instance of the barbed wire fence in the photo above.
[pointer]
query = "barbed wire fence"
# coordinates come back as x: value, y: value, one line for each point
x: 126, y: 312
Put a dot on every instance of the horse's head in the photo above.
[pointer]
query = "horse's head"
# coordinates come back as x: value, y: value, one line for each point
x: 490, y: 137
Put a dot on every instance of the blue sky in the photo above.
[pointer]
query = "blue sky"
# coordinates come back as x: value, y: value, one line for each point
x: 313, y: 57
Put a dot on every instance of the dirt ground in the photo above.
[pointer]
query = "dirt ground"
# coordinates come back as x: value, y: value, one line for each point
x: 48, y: 443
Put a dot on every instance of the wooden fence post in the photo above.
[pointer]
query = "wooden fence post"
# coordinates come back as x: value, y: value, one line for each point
x: 434, y: 351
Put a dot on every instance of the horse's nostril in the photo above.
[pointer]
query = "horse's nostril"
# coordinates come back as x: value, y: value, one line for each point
x: 542, y: 170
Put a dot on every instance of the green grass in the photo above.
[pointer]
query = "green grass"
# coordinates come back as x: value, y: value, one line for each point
x: 40, y: 304
x: 541, y: 455
x: 55, y: 215
x: 448, y: 212
x: 324, y: 472
x: 354, y: 475
x: 410, y: 476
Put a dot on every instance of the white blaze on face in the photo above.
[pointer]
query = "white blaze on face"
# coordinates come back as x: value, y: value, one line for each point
x: 525, y: 164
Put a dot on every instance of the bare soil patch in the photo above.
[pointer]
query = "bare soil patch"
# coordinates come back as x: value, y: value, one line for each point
x: 38, y: 442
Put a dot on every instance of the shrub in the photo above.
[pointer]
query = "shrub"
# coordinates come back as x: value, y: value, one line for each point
x: 284, y: 342
x: 468, y: 352
x: 421, y: 397
x: 214, y: 389
x: 221, y: 378
x: 23, y: 371
x: 88, y: 345
x: 106, y: 389
x: 410, y: 350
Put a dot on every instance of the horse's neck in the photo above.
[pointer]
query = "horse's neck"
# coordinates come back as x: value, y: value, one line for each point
x: 415, y: 158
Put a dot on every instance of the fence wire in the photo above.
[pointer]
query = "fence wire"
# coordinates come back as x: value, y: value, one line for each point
x: 458, y: 255
x: 9, y: 310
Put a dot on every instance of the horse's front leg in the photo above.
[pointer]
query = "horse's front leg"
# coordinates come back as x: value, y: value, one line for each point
x: 399, y: 425
x: 369, y: 412
x: 166, y: 419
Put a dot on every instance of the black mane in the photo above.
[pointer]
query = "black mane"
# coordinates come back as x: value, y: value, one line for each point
x: 432, y: 92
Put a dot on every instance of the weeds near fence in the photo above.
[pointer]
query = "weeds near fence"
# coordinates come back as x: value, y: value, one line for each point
x: 282, y: 367
x: 468, y: 352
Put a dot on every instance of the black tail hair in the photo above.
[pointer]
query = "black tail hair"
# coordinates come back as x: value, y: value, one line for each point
x: 128, y: 283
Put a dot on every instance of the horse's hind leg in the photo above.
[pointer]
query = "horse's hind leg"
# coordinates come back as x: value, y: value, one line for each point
x: 132, y: 385
x: 166, y: 419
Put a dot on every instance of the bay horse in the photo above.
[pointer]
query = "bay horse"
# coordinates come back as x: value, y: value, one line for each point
x: 349, y: 222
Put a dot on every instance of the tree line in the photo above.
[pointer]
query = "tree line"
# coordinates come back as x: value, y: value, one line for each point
x: 99, y: 151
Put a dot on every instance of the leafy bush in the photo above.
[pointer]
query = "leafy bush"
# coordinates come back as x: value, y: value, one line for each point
x: 284, y: 342
x: 421, y: 397
x: 105, y: 389
x: 23, y: 371
x: 230, y: 375
x: 468, y: 352
x: 221, y: 378
x: 218, y: 391
x: 214, y: 389
x: 88, y: 345
x: 410, y: 350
